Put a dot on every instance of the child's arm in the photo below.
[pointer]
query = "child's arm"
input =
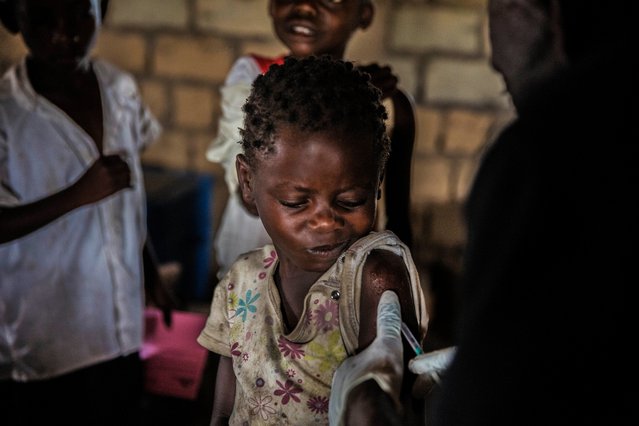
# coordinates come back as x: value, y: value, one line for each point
x: 384, y: 271
x: 368, y: 403
x: 356, y: 390
x: 109, y: 174
x: 224, y: 396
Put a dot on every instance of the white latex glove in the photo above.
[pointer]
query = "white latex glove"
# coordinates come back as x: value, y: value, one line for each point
x: 382, y: 361
x: 428, y: 367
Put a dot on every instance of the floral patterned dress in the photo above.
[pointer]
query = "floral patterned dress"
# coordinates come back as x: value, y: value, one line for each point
x: 280, y: 378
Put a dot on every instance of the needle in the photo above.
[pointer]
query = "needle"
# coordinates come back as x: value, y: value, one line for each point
x: 412, y: 341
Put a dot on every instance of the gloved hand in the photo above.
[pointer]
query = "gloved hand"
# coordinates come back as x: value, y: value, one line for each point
x: 382, y: 361
x: 428, y: 367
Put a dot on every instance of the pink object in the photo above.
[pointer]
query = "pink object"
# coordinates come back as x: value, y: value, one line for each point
x: 173, y: 360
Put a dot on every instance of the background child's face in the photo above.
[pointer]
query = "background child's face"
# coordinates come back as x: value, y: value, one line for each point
x: 316, y: 27
x: 316, y: 195
x: 59, y: 31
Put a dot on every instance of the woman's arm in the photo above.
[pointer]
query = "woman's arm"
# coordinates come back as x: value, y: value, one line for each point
x: 384, y: 271
x: 224, y: 396
x: 106, y: 176
x: 368, y: 403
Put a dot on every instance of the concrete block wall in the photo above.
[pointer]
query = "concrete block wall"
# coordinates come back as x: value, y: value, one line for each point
x: 181, y: 50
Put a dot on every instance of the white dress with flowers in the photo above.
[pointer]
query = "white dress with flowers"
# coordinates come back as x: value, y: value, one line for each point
x: 281, y: 378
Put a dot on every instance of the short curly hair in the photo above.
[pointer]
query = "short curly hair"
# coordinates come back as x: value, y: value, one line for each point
x: 313, y: 94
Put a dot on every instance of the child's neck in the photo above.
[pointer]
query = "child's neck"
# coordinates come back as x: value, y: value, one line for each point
x: 293, y: 287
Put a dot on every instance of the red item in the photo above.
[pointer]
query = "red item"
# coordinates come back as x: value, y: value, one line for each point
x: 173, y: 360
x: 265, y: 62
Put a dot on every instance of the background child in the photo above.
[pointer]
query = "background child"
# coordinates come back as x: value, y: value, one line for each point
x: 73, y: 225
x: 286, y: 315
x: 309, y: 27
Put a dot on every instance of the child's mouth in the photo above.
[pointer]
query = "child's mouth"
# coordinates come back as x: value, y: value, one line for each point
x: 302, y: 30
x: 332, y: 250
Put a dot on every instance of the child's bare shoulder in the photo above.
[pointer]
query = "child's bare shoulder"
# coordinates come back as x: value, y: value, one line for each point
x: 384, y: 269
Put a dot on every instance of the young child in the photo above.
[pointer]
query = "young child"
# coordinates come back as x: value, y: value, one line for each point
x: 310, y: 27
x: 72, y: 227
x: 286, y: 315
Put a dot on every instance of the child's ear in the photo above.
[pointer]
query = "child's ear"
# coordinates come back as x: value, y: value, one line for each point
x: 245, y: 180
x: 8, y: 15
x: 366, y: 14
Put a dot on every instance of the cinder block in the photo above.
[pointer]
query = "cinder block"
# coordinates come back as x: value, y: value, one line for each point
x: 448, y: 227
x: 12, y: 49
x: 465, y: 178
x: 246, y: 18
x: 369, y: 45
x: 422, y: 28
x: 203, y: 58
x: 155, y: 96
x: 429, y: 127
x: 193, y: 106
x: 271, y: 48
x: 148, y: 13
x: 431, y: 180
x: 171, y: 150
x: 127, y: 51
x: 466, y: 131
x: 464, y: 82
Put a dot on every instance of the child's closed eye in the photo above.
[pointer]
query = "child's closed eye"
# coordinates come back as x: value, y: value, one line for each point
x: 293, y: 204
x: 351, y: 203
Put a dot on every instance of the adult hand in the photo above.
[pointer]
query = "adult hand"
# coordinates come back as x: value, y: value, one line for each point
x: 382, y: 77
x: 381, y: 361
x: 107, y: 175
x: 428, y: 367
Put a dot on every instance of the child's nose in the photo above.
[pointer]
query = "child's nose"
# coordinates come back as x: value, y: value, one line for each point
x: 305, y: 6
x: 325, y: 219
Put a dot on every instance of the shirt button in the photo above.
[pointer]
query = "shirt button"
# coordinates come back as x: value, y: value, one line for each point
x: 335, y: 294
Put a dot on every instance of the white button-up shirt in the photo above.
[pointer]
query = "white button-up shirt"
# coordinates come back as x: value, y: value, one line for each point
x: 71, y: 293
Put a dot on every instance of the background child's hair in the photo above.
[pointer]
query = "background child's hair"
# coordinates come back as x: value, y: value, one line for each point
x: 8, y: 15
x: 313, y: 94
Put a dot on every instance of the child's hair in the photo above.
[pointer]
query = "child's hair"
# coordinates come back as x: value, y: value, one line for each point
x: 313, y: 94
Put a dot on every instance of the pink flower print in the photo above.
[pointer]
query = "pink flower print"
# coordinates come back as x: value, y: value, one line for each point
x: 290, y: 373
x: 234, y: 349
x: 288, y: 389
x: 294, y: 350
x: 262, y: 275
x: 318, y: 404
x: 270, y: 259
x: 261, y: 405
x: 326, y: 316
x: 245, y: 356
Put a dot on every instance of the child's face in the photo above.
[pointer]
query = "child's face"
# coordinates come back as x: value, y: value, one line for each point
x: 316, y: 195
x: 317, y: 27
x: 59, y: 31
